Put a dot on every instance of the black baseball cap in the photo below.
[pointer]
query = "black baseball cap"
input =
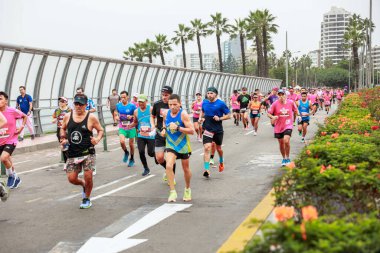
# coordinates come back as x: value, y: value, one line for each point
x: 212, y: 89
x: 80, y: 98
x: 167, y: 89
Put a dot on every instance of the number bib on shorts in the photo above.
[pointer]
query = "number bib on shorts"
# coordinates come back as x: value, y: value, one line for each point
x: 208, y: 134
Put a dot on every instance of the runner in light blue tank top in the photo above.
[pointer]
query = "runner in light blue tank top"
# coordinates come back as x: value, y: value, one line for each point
x: 144, y: 125
x: 176, y: 140
x: 304, y: 107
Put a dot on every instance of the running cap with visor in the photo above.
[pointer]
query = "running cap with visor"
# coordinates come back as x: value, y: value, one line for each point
x: 81, y: 99
x: 142, y: 98
x: 198, y: 93
x: 275, y: 89
x: 63, y: 98
x: 136, y: 95
x: 167, y: 89
x: 281, y: 91
x: 212, y: 89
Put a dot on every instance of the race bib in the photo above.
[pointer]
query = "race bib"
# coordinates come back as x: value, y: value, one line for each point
x: 304, y: 114
x: 145, y: 131
x: 254, y: 112
x: 198, y: 111
x: 208, y: 134
x: 78, y: 160
x: 287, y: 122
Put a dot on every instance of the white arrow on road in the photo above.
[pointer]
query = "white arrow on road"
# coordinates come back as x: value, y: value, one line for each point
x: 121, y: 241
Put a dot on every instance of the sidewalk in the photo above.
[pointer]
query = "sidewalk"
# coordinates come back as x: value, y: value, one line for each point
x: 48, y: 141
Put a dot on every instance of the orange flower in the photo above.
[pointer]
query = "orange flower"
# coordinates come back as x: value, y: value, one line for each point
x: 335, y: 135
x: 303, y: 231
x: 323, y: 133
x: 367, y: 134
x: 309, y: 213
x: 283, y: 213
x: 308, y: 152
x: 351, y: 167
x: 329, y: 167
x: 291, y: 165
x: 328, y: 143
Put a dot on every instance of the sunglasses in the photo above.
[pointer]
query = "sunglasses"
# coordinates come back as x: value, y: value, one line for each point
x: 280, y: 94
x: 77, y: 104
x: 62, y: 101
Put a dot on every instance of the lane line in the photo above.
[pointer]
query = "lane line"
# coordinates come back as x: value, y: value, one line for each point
x: 249, y: 132
x: 37, y: 169
x: 97, y: 188
x: 22, y: 162
x: 243, y: 234
x: 122, y: 188
x: 33, y: 200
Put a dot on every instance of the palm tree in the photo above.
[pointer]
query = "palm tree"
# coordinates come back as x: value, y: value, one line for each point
x: 163, y: 46
x: 139, y: 51
x: 220, y: 26
x: 265, y: 20
x: 150, y: 49
x: 199, y: 30
x: 368, y: 27
x: 129, y: 54
x: 183, y: 35
x: 240, y: 29
x: 354, y: 36
x: 254, y: 32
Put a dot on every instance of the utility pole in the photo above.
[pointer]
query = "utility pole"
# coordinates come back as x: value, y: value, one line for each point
x: 371, y: 71
x: 287, y: 61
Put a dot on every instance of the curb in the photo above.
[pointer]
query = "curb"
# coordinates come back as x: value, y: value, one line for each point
x: 246, y: 230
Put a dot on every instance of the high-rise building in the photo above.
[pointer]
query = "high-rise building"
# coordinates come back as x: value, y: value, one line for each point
x: 333, y: 28
x: 233, y: 47
x: 376, y: 58
x: 193, y: 62
x: 315, y: 57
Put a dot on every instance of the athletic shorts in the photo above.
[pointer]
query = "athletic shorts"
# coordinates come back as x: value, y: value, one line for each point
x: 217, y: 138
x: 252, y: 116
x: 316, y: 104
x: 304, y: 121
x: 281, y: 135
x: 236, y: 110
x: 178, y: 155
x: 243, y: 110
x: 321, y: 100
x: 112, y: 111
x: 9, y: 148
x: 129, y: 134
x: 159, y: 143
x: 78, y: 164
x: 195, y: 120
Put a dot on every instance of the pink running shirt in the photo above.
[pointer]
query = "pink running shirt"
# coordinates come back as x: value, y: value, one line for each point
x: 293, y: 97
x: 235, y: 103
x: 7, y: 132
x: 312, y: 98
x: 285, y: 114
x: 327, y: 98
x: 197, y: 107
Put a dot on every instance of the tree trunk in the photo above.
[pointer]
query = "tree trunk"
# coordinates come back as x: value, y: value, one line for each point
x: 259, y: 50
x: 355, y: 67
x: 150, y: 58
x: 200, y: 52
x: 219, y: 53
x: 183, y: 52
x: 162, y: 56
x: 242, y: 53
x: 265, y: 49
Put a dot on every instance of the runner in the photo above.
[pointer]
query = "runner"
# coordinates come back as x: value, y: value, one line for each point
x: 146, y: 131
x: 8, y: 142
x: 214, y: 111
x: 327, y: 101
x: 304, y: 106
x: 281, y: 115
x: 58, y: 116
x: 177, y: 128
x: 135, y: 100
x: 339, y: 95
x: 77, y: 131
x: 320, y: 98
x: 294, y: 97
x: 196, y: 108
x: 159, y: 110
x: 90, y: 103
x: 312, y: 97
x: 235, y: 107
x: 254, y: 107
x: 124, y: 114
x: 24, y: 103
x: 243, y: 100
x: 112, y: 100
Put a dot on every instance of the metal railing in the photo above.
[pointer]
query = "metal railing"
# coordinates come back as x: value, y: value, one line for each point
x: 49, y: 74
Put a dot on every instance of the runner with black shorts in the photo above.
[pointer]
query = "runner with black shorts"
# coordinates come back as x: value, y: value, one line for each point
x: 177, y: 128
x: 214, y: 111
x: 304, y: 106
x: 235, y: 107
x: 159, y: 110
x: 8, y: 142
x: 77, y: 131
x: 244, y: 99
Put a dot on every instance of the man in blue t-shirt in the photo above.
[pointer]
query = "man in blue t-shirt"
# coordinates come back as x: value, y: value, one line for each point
x: 90, y: 103
x: 24, y: 103
x: 213, y: 112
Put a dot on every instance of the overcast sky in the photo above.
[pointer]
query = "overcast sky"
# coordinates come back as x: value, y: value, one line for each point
x: 108, y: 27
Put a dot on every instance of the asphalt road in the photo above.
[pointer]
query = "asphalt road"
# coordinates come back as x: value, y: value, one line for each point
x: 43, y: 215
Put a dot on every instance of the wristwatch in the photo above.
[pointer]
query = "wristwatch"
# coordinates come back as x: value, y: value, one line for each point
x: 178, y: 127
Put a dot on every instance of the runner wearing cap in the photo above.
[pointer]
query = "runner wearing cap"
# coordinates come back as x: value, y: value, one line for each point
x: 254, y: 107
x: 124, y: 114
x: 243, y: 100
x: 159, y: 110
x: 214, y: 111
x: 273, y: 96
x: 304, y: 107
x: 177, y: 127
x: 196, y: 108
x: 58, y: 116
x: 281, y: 115
x: 77, y: 131
x: 135, y: 99
x: 235, y: 107
x: 146, y: 131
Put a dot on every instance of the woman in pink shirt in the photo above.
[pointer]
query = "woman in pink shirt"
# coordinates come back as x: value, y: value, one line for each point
x: 327, y: 99
x: 235, y: 107
x: 281, y: 114
x: 196, y: 107
x: 312, y: 97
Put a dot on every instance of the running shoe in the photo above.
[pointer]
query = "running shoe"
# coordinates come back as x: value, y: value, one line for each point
x: 94, y: 171
x: 164, y: 177
x: 254, y: 133
x: 187, y: 195
x: 172, y: 196
x: 221, y: 167
x: 16, y: 183
x: 212, y: 161
x: 4, y: 193
x: 303, y: 140
x: 287, y: 161
x: 299, y: 133
x: 86, y: 203
x: 206, y: 174
x: 125, y: 158
x: 131, y: 163
x: 283, y: 163
x: 146, y: 172
x: 11, y: 181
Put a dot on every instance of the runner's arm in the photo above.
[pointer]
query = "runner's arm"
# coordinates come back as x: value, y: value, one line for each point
x: 54, y: 117
x: 99, y: 129
x: 152, y: 120
x: 134, y: 123
x: 3, y: 120
x: 92, y: 107
x: 189, y: 127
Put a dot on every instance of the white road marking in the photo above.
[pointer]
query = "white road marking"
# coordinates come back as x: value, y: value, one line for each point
x: 33, y: 200
x: 98, y: 188
x: 249, y: 132
x: 122, y: 188
x: 37, y: 169
x: 22, y: 162
x: 121, y: 241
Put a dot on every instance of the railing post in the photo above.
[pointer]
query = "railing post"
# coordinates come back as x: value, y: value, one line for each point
x: 105, y: 148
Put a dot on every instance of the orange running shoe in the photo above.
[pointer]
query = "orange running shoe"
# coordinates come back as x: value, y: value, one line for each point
x: 221, y: 167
